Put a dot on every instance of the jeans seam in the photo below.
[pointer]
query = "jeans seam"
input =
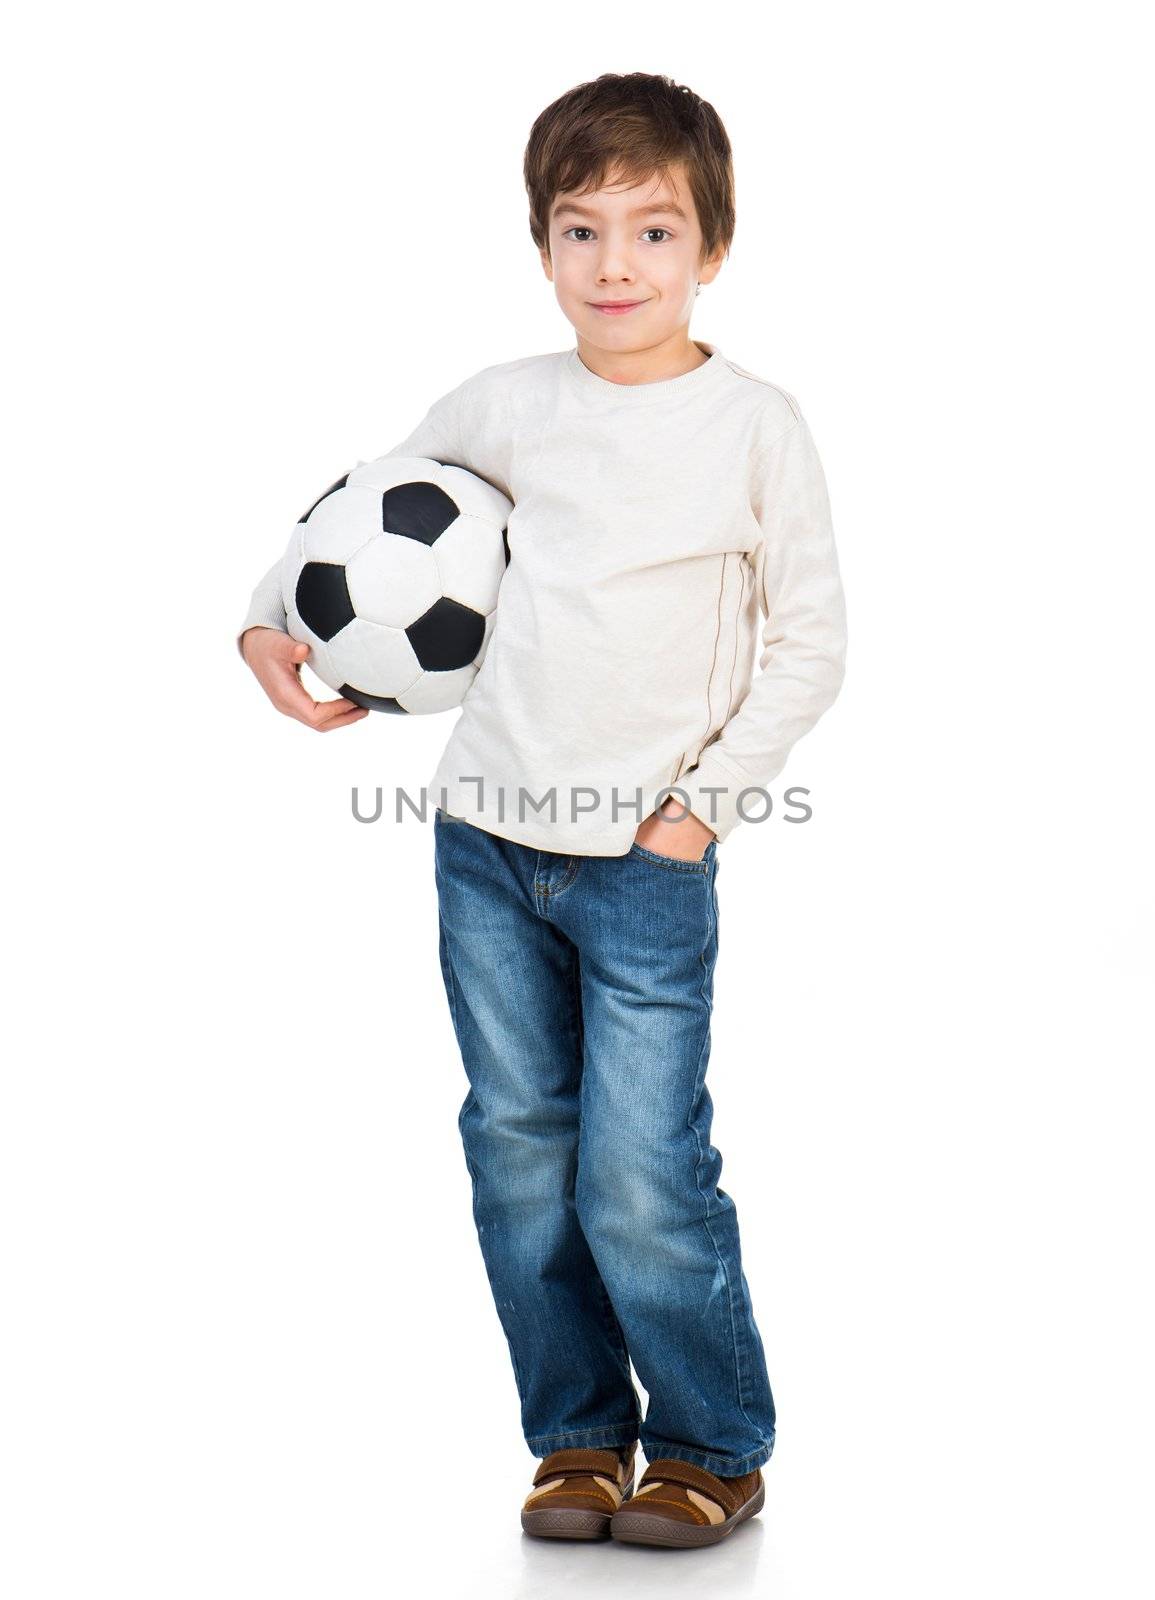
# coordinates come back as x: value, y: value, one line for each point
x: 739, y: 1361
x: 518, y: 1375
x: 447, y: 967
x: 614, y: 1329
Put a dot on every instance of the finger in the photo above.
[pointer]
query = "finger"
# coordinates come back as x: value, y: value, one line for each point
x: 322, y: 710
x: 339, y: 721
x: 289, y: 675
x: 289, y: 695
x: 339, y: 707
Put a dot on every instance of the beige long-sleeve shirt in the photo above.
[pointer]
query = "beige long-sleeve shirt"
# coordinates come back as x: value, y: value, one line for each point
x: 666, y: 538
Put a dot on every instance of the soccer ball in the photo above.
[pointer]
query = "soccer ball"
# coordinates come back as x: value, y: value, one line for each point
x: 391, y: 579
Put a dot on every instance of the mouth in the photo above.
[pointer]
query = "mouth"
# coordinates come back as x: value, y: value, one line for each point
x: 615, y: 308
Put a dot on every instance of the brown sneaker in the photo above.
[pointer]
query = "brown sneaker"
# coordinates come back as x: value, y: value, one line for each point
x: 680, y: 1504
x: 576, y: 1492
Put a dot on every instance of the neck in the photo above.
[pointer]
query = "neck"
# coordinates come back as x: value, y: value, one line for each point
x: 670, y: 359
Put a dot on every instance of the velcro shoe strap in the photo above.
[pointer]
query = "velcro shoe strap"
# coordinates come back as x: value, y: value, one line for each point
x: 566, y: 1462
x: 693, y: 1477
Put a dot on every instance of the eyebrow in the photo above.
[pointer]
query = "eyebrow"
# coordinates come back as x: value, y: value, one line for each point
x: 664, y: 207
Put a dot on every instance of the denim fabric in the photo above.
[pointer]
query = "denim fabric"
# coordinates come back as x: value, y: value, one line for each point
x: 581, y: 989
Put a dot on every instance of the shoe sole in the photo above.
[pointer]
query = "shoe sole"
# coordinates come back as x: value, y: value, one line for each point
x: 644, y: 1527
x: 568, y: 1522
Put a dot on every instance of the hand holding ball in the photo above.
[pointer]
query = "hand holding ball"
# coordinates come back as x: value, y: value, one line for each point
x: 391, y: 578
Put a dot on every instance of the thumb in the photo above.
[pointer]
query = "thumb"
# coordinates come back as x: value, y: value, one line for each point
x: 299, y: 651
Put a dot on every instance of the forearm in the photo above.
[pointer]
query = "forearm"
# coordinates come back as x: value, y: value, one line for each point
x: 267, y: 606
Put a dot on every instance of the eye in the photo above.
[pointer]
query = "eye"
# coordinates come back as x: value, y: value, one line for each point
x: 579, y: 228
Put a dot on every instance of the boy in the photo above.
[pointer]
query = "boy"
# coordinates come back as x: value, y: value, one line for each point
x: 664, y: 498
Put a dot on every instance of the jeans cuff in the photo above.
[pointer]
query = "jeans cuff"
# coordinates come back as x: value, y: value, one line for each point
x: 720, y: 1466
x: 614, y: 1437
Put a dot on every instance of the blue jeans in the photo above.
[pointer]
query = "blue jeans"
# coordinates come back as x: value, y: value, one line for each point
x: 581, y: 989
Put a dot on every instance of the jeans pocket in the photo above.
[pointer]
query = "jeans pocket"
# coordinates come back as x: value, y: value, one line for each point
x: 673, y: 863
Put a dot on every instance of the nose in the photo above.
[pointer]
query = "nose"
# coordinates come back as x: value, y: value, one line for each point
x: 614, y: 263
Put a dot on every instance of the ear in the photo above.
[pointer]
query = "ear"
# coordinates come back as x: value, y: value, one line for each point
x: 546, y: 264
x: 710, y: 269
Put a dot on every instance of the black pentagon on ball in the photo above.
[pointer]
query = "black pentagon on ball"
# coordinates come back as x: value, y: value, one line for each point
x: 448, y: 636
x: 322, y: 598
x: 332, y: 489
x: 371, y: 702
x: 420, y: 511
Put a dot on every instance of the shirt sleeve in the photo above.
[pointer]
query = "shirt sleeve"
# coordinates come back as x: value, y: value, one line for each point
x: 803, y: 640
x: 437, y: 437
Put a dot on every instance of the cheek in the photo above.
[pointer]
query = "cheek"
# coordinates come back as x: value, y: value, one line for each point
x: 566, y: 274
x: 677, y: 275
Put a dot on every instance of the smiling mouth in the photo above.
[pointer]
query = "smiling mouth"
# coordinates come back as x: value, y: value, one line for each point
x: 612, y: 306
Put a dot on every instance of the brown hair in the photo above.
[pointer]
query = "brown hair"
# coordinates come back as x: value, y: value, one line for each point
x: 633, y: 125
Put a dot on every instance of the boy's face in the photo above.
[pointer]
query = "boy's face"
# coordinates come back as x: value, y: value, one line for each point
x: 640, y: 244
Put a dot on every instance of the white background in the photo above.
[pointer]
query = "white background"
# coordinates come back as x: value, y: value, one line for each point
x: 249, y: 1344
